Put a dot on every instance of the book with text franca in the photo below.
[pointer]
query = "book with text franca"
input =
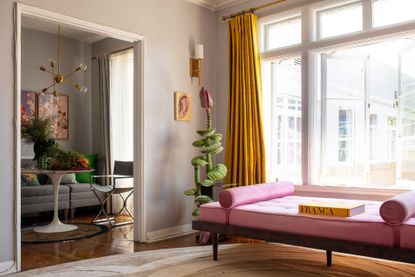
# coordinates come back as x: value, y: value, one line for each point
x: 341, y: 209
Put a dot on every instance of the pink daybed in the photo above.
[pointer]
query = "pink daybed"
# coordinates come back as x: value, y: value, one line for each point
x: 270, y: 212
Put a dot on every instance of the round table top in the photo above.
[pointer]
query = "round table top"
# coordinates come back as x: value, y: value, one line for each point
x: 47, y: 171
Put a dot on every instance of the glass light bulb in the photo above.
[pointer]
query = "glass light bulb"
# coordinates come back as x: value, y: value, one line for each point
x: 84, y: 89
x: 83, y: 66
x: 52, y: 62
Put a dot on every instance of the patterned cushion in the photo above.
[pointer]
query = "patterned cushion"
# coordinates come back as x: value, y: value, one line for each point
x: 29, y: 179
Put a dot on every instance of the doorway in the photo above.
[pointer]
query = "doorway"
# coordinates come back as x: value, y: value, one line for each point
x: 138, y: 44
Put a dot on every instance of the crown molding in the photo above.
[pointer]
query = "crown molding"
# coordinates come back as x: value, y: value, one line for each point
x: 216, y: 5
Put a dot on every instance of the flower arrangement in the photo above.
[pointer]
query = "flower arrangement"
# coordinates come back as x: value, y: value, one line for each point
x: 209, y: 144
x: 47, y: 152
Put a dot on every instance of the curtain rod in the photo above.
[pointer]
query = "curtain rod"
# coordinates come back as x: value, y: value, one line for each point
x: 225, y: 18
x: 114, y: 52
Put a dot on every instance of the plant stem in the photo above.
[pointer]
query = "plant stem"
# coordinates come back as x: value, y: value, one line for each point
x: 197, y: 181
x: 209, y: 119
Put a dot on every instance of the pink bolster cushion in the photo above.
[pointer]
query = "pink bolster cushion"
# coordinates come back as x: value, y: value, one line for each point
x: 399, y: 208
x: 250, y: 194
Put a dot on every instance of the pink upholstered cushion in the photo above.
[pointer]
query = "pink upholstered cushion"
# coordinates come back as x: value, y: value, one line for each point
x: 281, y: 214
x: 250, y: 194
x: 213, y: 212
x: 399, y: 208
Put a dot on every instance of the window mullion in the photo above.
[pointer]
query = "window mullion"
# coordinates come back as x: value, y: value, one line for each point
x: 367, y: 15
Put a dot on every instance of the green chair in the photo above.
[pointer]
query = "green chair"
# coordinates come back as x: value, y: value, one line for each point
x: 122, y: 170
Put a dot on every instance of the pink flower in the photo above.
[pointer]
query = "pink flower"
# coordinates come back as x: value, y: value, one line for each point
x: 206, y: 100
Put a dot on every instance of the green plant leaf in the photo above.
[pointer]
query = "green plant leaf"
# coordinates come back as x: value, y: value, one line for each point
x: 198, y: 143
x: 218, y: 150
x: 206, y: 183
x: 195, y: 212
x: 217, y: 173
x: 199, y: 161
x: 210, y: 148
x: 216, y: 137
x: 203, y: 199
x: 190, y: 192
x: 206, y: 133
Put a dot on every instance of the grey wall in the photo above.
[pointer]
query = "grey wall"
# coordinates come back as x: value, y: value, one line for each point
x: 105, y: 46
x: 171, y: 28
x: 37, y: 48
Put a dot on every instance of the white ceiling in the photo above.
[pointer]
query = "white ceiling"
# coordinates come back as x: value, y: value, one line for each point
x: 52, y: 28
x: 216, y: 5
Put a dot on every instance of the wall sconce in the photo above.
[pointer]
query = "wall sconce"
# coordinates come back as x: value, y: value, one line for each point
x: 196, y: 63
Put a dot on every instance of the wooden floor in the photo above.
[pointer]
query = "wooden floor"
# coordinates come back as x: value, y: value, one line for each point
x: 117, y: 240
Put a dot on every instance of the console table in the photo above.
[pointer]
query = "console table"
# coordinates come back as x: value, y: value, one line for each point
x: 56, y: 226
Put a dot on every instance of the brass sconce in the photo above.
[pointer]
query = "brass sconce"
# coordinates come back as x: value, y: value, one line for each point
x: 196, y: 63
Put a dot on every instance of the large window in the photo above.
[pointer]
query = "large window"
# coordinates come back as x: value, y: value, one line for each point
x: 284, y: 140
x: 283, y: 33
x: 359, y: 91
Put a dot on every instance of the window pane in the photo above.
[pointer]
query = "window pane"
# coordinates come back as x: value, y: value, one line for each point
x: 284, y: 33
x: 340, y: 21
x: 386, y: 12
x: 367, y: 126
x: 284, y: 152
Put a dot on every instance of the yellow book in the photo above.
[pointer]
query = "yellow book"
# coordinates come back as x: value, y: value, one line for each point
x: 341, y: 209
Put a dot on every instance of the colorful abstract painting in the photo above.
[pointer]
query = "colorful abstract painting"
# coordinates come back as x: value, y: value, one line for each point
x: 28, y: 105
x: 55, y: 108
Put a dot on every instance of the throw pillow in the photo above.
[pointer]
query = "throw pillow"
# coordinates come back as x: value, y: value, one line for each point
x: 85, y: 177
x: 69, y: 179
x: 29, y: 179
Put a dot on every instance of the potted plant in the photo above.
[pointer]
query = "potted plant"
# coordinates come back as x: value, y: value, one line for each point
x: 209, y: 144
x: 38, y: 131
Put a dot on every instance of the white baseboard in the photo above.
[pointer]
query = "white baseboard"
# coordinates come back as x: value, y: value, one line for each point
x: 169, y: 233
x: 8, y: 267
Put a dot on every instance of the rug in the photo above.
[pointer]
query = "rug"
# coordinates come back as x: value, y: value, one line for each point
x: 258, y: 259
x: 83, y: 231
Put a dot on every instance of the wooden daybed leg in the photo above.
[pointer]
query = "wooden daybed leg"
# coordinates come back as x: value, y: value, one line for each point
x: 328, y: 256
x: 215, y: 246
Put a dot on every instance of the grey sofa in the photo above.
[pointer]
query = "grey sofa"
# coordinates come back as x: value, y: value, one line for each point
x: 71, y: 196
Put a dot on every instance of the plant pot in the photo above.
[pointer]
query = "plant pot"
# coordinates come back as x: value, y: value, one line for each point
x: 42, y: 162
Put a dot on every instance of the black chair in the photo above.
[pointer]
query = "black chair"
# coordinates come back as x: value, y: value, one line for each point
x: 122, y: 170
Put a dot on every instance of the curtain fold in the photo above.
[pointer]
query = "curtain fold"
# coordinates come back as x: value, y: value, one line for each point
x: 104, y: 139
x: 245, y: 146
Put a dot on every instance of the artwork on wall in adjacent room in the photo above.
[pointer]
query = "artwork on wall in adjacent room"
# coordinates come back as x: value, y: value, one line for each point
x: 55, y: 107
x: 182, y: 106
x: 28, y: 105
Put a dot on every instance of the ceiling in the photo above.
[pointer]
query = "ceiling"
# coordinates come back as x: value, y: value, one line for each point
x: 66, y: 31
x: 216, y: 5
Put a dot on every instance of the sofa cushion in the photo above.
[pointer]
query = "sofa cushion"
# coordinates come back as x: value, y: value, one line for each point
x: 29, y: 179
x: 79, y: 187
x: 213, y: 212
x: 399, y: 208
x: 43, y: 190
x: 233, y: 197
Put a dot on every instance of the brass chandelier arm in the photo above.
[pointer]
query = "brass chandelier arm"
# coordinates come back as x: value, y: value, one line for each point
x: 46, y: 89
x: 43, y: 69
x: 74, y: 71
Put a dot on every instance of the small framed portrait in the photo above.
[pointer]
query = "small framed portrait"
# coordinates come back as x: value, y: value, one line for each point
x: 56, y: 108
x: 28, y: 107
x: 182, y: 106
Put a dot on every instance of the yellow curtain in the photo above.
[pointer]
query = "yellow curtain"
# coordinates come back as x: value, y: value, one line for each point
x: 245, y: 146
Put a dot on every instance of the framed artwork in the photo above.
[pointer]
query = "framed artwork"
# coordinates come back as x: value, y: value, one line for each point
x: 182, y: 106
x: 28, y: 109
x: 56, y: 108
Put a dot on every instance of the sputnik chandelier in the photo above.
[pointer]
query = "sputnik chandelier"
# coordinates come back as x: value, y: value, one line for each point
x: 58, y: 78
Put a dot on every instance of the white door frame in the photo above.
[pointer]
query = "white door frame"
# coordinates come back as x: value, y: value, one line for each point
x: 139, y: 95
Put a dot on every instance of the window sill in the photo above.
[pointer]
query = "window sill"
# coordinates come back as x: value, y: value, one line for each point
x: 376, y: 194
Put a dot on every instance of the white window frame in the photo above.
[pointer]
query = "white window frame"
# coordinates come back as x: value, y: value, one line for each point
x: 346, y: 4
x: 266, y: 31
x: 310, y: 47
